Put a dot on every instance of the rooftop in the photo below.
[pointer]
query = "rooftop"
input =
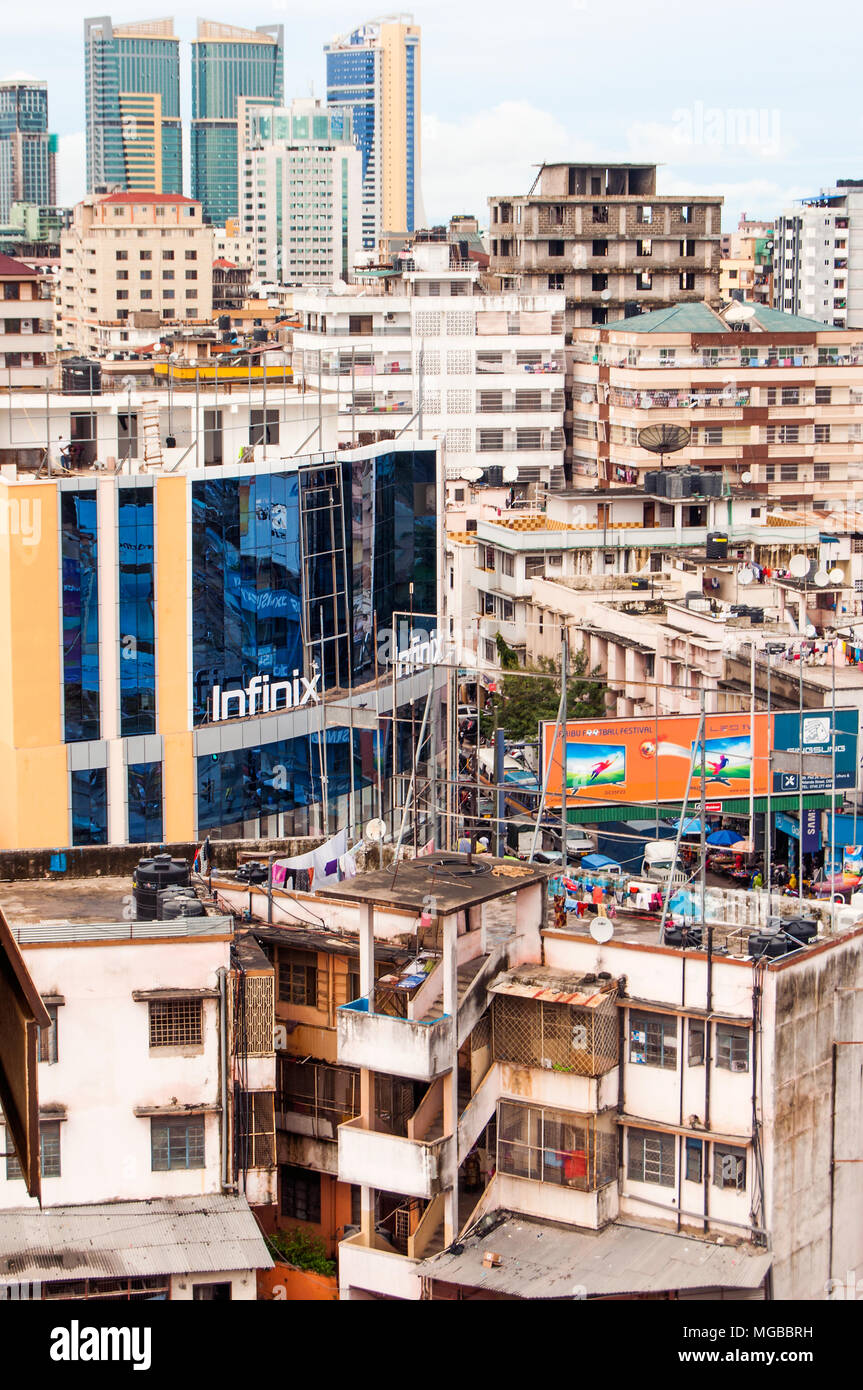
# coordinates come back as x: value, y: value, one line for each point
x: 700, y: 318
x: 145, y: 198
x: 456, y: 881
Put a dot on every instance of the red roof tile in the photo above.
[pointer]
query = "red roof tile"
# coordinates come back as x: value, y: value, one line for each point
x: 145, y: 198
x: 21, y: 272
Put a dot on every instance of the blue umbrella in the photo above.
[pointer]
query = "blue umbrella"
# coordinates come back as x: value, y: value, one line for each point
x: 723, y: 837
x: 683, y: 904
x: 690, y: 827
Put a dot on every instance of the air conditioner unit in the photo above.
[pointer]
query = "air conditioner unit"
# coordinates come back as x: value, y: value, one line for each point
x: 739, y: 1066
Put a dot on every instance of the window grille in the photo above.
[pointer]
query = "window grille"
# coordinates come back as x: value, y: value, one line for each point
x: 176, y: 1022
x: 555, y: 1146
x: 653, y: 1040
x: 558, y: 1037
x: 260, y: 1015
x: 460, y: 323
x: 427, y: 324
x: 732, y: 1047
x: 651, y: 1157
x: 458, y: 402
x: 458, y: 363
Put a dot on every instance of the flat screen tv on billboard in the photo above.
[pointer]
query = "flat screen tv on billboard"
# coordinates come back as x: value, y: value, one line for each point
x: 641, y: 761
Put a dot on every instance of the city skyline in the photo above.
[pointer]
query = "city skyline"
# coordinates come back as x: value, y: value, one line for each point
x: 498, y: 100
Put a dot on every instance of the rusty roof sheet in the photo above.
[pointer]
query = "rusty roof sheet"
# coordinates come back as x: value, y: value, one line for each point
x: 168, y: 1235
x: 554, y: 986
x: 542, y: 1259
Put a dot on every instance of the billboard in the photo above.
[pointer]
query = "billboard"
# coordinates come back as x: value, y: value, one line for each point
x: 646, y: 760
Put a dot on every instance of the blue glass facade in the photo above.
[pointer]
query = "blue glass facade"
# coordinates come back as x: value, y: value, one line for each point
x: 79, y: 552
x: 137, y: 595
x: 90, y: 807
x: 26, y: 148
x: 351, y: 86
x: 411, y: 113
x: 144, y: 784
x: 116, y: 62
x: 247, y: 783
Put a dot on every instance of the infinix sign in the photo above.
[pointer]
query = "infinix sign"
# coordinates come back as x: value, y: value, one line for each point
x: 263, y: 696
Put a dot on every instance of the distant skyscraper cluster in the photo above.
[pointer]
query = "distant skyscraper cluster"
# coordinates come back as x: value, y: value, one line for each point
x: 132, y: 106
x: 27, y: 149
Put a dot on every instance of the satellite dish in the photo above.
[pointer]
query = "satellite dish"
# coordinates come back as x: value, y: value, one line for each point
x: 586, y: 398
x: 746, y: 477
x: 663, y: 439
x: 601, y: 930
x: 339, y: 287
x: 745, y: 576
x: 472, y: 474
x: 810, y: 630
x: 799, y: 566
x: 605, y: 295
x: 821, y: 578
x: 510, y: 473
x: 738, y: 312
x: 835, y: 575
x: 376, y: 829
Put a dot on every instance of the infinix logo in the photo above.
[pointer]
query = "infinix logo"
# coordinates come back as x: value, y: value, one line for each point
x: 77, y: 1343
x: 273, y: 695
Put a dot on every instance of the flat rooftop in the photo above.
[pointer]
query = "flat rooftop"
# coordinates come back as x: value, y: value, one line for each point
x: 456, y: 882
x: 66, y: 899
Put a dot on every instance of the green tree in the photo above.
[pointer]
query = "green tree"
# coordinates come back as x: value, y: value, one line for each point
x: 524, y: 700
x: 302, y: 1250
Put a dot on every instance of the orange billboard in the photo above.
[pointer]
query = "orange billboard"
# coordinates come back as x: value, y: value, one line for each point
x: 647, y: 760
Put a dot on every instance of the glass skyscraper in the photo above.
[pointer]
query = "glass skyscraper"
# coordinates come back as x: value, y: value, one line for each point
x: 374, y: 72
x: 27, y: 150
x: 228, y: 63
x: 132, y: 106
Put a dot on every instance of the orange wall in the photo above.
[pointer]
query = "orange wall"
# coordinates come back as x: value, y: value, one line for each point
x: 335, y: 1214
x: 283, y: 1282
x: 173, y: 659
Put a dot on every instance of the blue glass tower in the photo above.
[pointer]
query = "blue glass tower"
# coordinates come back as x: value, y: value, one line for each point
x: 228, y: 63
x: 132, y: 106
x: 27, y: 150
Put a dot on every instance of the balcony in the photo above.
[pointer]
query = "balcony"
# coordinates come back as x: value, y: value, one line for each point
x: 402, y: 1046
x: 377, y: 1267
x: 370, y: 1158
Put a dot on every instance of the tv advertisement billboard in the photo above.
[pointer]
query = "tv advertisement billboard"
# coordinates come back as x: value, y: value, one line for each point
x: 644, y: 760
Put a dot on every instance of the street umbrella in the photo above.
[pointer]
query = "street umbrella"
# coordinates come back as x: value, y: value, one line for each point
x: 723, y: 837
x: 690, y: 827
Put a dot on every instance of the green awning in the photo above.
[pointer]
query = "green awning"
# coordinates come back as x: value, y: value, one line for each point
x: 737, y: 806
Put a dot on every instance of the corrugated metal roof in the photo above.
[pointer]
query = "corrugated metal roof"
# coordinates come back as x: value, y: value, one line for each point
x: 554, y: 986
x: 541, y: 1259
x: 62, y: 930
x: 168, y: 1235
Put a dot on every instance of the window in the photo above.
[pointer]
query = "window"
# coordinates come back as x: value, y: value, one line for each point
x: 122, y: 274
x: 177, y: 1142
x: 300, y: 1193
x: 788, y: 472
x: 651, y: 1157
x: 685, y: 213
x: 694, y: 1160
x: 645, y: 216
x: 122, y: 294
x: 191, y: 255
x: 687, y: 248
x: 599, y: 248
x: 167, y: 274
x: 146, y: 274
x: 823, y: 395
x: 167, y: 255
x: 712, y: 435
x: 653, y: 1040
x: 695, y: 1051
x: 643, y: 280
x: 212, y: 1293
x: 821, y: 472
x: 191, y: 274
x: 298, y: 978
x: 176, y: 1022
x: 600, y: 212
x: 121, y: 255
x: 555, y: 282
x: 687, y: 280
x: 599, y: 282
x: 644, y: 248
x: 507, y: 563
x: 822, y: 434
x: 555, y: 248
x: 48, y: 1037
x: 732, y: 1047
x: 146, y: 255
x: 790, y: 395
x: 146, y: 294
x: 729, y: 1167
x: 49, y: 1150
x: 258, y: 428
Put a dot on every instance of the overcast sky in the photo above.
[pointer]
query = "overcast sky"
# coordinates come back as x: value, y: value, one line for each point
x: 755, y: 103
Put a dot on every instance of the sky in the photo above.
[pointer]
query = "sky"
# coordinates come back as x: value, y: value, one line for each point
x: 754, y: 104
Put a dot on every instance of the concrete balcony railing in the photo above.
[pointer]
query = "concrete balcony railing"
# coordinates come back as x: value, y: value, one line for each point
x: 401, y: 1046
x: 371, y: 1158
x: 377, y: 1268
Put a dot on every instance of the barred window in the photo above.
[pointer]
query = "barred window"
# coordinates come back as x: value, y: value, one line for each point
x: 732, y: 1047
x: 176, y: 1022
x: 696, y: 1043
x: 555, y: 1146
x: 49, y: 1150
x: 298, y: 978
x: 651, y: 1157
x: 729, y: 1167
x: 256, y: 1130
x: 694, y: 1160
x: 48, y: 1037
x: 653, y: 1040
x: 300, y: 1193
x: 177, y: 1142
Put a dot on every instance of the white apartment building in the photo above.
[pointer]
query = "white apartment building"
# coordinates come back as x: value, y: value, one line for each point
x: 300, y: 191
x: 26, y: 325
x: 818, y: 266
x: 485, y: 375
x: 150, y: 1165
x: 672, y: 1124
x: 131, y: 254
x: 230, y: 244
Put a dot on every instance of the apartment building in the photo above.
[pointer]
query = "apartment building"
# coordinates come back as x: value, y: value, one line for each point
x: 819, y: 255
x: 484, y: 376
x: 27, y: 340
x: 683, y: 1108
x: 146, y: 1050
x: 746, y: 263
x: 373, y: 74
x: 300, y: 191
x: 128, y: 254
x: 770, y: 400
x: 132, y: 102
x: 228, y: 63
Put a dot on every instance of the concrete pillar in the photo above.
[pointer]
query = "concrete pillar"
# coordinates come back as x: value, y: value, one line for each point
x: 450, y: 1081
x: 109, y: 654
x: 367, y: 952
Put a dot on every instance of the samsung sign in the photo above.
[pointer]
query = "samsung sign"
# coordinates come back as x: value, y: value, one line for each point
x: 263, y: 696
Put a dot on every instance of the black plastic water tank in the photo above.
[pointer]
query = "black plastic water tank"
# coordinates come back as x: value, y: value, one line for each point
x: 651, y: 481
x: 674, y: 936
x: 803, y: 929
x: 154, y: 874
x: 770, y: 942
x: 717, y: 545
x: 182, y: 907
x: 79, y: 376
x: 711, y: 484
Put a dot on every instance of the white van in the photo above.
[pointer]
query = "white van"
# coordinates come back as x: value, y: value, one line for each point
x: 659, y: 863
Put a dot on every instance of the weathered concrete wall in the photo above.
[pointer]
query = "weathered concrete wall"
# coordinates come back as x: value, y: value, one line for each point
x: 91, y: 861
x: 812, y: 1005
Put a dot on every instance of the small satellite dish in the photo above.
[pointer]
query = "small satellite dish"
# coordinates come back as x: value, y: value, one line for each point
x: 510, y: 473
x: 821, y: 578
x: 376, y: 829
x: 339, y: 287
x: 472, y: 474
x: 586, y: 398
x: 605, y: 295
x: 799, y: 566
x: 745, y: 576
x: 835, y: 575
x: 810, y: 630
x: 746, y: 477
x: 601, y: 930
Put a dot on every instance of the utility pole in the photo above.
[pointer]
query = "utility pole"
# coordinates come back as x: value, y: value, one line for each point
x: 564, y: 813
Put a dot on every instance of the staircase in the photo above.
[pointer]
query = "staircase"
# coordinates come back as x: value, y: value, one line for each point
x: 467, y: 973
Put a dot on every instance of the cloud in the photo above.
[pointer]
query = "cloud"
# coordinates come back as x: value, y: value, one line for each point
x: 71, y: 168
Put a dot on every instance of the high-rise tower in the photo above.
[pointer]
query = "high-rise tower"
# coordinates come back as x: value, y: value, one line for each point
x: 132, y: 74
x: 27, y: 150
